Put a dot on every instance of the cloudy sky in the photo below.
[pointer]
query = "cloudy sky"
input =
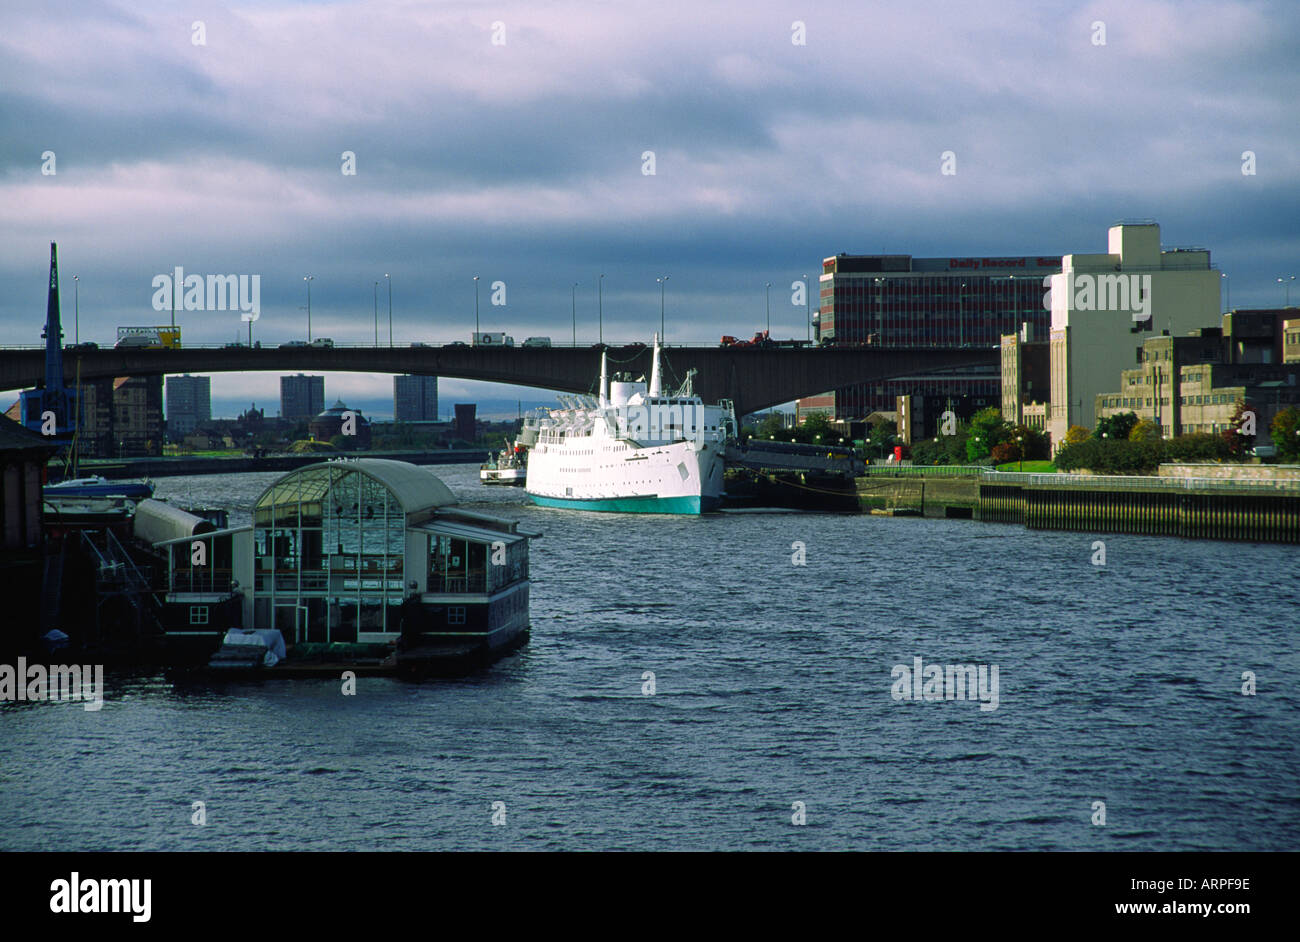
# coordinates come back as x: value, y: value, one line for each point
x: 506, y: 140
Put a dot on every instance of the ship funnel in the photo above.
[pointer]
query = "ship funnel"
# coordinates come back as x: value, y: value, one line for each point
x: 656, y: 376
x: 604, y: 381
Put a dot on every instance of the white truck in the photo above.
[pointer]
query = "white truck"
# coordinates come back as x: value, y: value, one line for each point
x: 492, y: 338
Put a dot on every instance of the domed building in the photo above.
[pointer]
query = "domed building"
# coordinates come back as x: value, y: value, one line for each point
x: 333, y: 420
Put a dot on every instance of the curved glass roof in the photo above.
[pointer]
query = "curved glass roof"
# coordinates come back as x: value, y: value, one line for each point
x: 413, y: 488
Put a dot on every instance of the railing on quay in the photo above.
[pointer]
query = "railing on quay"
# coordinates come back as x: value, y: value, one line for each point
x: 1126, y: 482
x: 926, y: 471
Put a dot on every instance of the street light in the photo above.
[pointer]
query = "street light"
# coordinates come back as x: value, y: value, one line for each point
x: 309, y: 279
x: 390, y: 308
x: 880, y: 315
x: 476, y: 309
x: 574, y: 299
x: 1020, y: 447
x: 1287, y: 285
x: 376, y: 313
x: 600, y: 307
x: 76, y: 292
x: 767, y: 302
x: 961, y: 315
x: 807, y: 303
x: 662, y: 282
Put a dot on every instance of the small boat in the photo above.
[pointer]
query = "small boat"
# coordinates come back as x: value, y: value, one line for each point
x: 508, y: 467
x: 98, y: 487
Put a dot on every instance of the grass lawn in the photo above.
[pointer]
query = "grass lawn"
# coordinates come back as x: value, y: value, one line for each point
x: 1038, y: 467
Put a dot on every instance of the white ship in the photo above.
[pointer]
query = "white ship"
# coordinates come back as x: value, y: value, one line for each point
x: 634, y: 450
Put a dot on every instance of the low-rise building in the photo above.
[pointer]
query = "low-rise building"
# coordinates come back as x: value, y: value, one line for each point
x: 1190, y: 384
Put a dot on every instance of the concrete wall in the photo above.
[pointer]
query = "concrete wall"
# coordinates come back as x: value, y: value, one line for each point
x: 1239, y: 472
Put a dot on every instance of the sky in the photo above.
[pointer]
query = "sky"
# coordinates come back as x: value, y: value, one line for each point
x: 513, y: 141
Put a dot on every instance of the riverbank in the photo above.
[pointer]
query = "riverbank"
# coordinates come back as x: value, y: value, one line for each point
x: 1192, y: 508
x: 118, y: 468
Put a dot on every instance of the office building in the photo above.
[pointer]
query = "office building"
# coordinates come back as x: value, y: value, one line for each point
x: 1187, y: 385
x: 301, y: 397
x: 901, y: 301
x: 415, y: 398
x: 1104, y: 306
x: 189, y: 404
x: 1026, y: 380
x: 138, y: 416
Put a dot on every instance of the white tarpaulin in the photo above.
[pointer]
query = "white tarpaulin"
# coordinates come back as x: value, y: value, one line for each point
x: 268, y: 638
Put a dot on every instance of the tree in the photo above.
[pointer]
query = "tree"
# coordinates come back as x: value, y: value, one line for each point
x: 817, y: 423
x: 1116, y: 427
x: 1144, y: 431
x: 987, y: 429
x: 1005, y: 452
x: 1076, y: 434
x: 771, y: 426
x: 1243, y: 420
x: 1285, y: 432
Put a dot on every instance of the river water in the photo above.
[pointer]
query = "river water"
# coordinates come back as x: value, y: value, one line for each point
x: 773, y: 686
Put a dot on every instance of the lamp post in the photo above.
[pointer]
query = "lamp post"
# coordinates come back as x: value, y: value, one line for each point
x: 1020, y: 447
x: 600, y: 308
x: 767, y: 302
x: 476, y: 331
x: 662, y: 282
x: 807, y: 303
x: 1014, y: 328
x: 309, y: 279
x: 961, y: 315
x: 376, y: 313
x: 1286, y: 284
x: 76, y: 303
x: 390, y: 308
x: 1227, y: 288
x: 880, y: 314
x: 574, y: 300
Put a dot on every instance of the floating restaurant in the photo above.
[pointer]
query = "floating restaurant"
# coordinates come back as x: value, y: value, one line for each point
x: 366, y: 561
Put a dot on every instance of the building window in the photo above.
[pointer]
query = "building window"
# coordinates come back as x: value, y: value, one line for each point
x: 198, y: 614
x: 456, y: 615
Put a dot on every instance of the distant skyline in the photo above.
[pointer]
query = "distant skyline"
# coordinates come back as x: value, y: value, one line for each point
x: 511, y: 141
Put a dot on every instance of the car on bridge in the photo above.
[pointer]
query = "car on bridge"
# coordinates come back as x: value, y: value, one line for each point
x: 293, y: 344
x: 537, y: 342
x: 88, y: 345
x: 322, y: 342
x: 458, y: 343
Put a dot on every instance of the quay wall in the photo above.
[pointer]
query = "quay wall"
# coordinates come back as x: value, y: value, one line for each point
x: 1222, y: 512
x: 1256, y: 510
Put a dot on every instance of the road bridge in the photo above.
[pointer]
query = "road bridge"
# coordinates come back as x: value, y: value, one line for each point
x: 754, y: 378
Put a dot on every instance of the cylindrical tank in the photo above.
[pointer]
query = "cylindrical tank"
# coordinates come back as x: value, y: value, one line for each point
x: 156, y: 521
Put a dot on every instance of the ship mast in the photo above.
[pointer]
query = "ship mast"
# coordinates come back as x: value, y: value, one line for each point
x: 656, y: 377
x: 604, y: 382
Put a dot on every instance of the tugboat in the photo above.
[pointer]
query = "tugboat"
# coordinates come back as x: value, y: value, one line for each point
x: 510, y: 466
